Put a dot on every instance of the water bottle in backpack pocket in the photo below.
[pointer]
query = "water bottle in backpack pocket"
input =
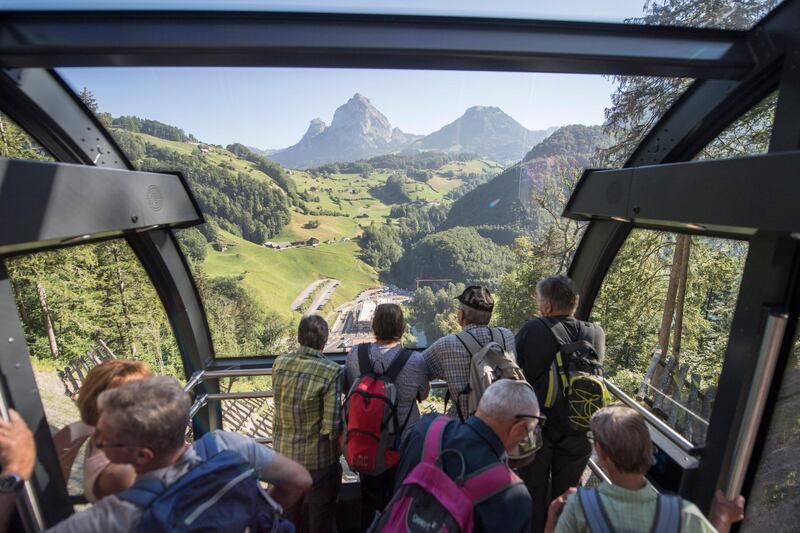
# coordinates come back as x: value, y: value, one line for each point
x: 221, y: 494
x: 430, y: 501
x: 372, y: 431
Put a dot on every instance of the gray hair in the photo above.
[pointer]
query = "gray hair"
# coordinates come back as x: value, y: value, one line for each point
x: 154, y: 411
x: 560, y: 291
x: 475, y: 316
x: 506, y: 398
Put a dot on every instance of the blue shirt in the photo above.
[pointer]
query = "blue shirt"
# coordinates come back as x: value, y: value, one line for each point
x: 510, y: 510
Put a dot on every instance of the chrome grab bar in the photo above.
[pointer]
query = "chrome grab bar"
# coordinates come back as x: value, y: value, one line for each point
x: 597, y: 471
x: 756, y: 399
x: 682, y: 442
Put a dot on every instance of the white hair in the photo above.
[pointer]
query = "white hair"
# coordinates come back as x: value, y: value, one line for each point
x: 505, y: 399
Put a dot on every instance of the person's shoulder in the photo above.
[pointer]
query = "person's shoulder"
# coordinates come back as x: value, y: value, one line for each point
x: 694, y: 521
x: 425, y: 422
x: 535, y: 323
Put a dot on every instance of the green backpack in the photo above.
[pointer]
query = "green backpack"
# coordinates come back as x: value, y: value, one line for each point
x: 576, y: 375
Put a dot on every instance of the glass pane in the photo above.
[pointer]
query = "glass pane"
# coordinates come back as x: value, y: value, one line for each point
x: 698, y: 13
x: 17, y: 144
x: 774, y: 494
x: 433, y: 181
x: 81, y: 306
x: 673, y: 295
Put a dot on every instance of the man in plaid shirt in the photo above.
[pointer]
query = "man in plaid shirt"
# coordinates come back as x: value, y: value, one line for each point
x: 307, y: 421
x: 448, y: 357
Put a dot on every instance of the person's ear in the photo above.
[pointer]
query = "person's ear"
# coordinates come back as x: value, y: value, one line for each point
x: 143, y: 456
x: 518, y: 431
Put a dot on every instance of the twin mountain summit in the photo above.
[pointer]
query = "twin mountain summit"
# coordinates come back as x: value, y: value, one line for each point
x: 360, y: 131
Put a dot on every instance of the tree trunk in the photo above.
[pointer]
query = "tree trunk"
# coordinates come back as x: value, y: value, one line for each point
x: 669, y: 310
x: 3, y: 136
x: 48, y: 323
x: 685, y: 241
x: 124, y: 299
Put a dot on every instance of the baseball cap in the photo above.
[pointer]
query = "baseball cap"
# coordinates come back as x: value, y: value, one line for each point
x: 477, y: 297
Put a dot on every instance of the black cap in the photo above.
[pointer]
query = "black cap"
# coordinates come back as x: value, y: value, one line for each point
x: 477, y: 297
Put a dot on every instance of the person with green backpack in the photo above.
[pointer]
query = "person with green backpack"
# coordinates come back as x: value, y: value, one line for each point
x: 562, y: 358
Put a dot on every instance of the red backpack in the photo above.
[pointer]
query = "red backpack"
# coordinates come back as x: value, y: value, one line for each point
x: 371, y: 429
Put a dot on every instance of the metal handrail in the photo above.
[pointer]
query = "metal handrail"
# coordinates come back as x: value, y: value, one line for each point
x: 682, y: 442
x: 756, y: 399
x: 597, y: 471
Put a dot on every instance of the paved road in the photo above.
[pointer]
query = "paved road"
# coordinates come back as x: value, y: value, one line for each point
x: 305, y: 293
x: 323, y: 296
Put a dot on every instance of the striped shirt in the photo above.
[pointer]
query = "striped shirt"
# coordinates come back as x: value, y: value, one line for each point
x: 448, y: 359
x: 308, y: 408
x: 629, y: 511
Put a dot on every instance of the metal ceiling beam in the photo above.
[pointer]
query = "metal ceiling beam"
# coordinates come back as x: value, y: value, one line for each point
x: 70, y: 39
x: 695, y: 119
x: 734, y: 196
x: 68, y: 204
x: 42, y: 104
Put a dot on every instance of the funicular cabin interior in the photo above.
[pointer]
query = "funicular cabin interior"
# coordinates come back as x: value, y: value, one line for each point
x: 92, y: 192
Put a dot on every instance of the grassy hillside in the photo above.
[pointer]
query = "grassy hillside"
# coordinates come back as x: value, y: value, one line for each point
x: 277, y: 277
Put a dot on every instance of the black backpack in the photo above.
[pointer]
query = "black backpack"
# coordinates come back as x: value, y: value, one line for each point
x: 576, y: 375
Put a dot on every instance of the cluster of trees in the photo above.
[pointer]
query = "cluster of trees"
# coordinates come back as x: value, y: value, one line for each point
x: 152, y: 127
x: 395, y: 190
x: 419, y: 160
x: 242, y: 204
x: 460, y: 254
x: 434, y: 312
x: 268, y: 167
x: 382, y: 245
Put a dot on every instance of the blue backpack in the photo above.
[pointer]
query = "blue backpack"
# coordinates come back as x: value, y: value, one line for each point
x: 220, y: 494
x: 668, y: 518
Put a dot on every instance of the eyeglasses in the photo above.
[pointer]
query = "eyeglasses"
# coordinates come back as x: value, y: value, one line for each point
x: 532, y: 441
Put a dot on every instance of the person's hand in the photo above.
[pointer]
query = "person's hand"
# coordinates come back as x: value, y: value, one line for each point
x: 555, y: 508
x: 17, y: 447
x: 725, y: 512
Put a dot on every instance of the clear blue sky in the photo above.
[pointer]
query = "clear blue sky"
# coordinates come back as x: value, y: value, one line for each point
x: 271, y: 108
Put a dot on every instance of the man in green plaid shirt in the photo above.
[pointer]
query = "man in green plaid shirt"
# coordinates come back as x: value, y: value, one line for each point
x: 307, y: 421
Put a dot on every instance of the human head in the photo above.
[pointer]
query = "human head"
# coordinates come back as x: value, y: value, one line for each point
x: 388, y: 323
x: 313, y: 332
x: 475, y: 306
x: 511, y: 409
x: 143, y: 422
x: 107, y: 375
x: 621, y: 438
x: 556, y: 295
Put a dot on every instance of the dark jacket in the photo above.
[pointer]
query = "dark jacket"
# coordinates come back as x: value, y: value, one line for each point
x: 510, y: 510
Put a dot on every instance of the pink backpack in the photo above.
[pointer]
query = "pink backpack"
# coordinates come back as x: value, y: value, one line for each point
x: 430, y: 501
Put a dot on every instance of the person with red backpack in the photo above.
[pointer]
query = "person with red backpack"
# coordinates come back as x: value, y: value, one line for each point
x: 384, y: 381
x: 454, y: 476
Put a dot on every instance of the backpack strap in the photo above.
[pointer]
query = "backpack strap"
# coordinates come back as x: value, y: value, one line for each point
x: 143, y: 492
x: 490, y: 482
x: 396, y: 366
x: 364, y: 364
x: 593, y: 511
x: 497, y: 332
x: 433, y: 439
x: 469, y: 341
x: 669, y: 514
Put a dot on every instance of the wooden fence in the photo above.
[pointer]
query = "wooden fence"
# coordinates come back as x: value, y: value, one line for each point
x: 72, y: 375
x: 678, y: 398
